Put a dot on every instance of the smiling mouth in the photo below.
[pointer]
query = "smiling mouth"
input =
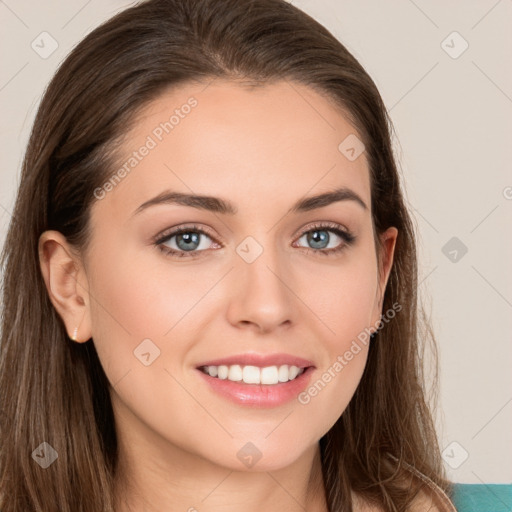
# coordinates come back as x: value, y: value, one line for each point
x: 247, y: 374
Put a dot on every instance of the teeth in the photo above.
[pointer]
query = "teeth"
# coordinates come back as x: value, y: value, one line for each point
x: 235, y: 372
x: 251, y: 375
x: 254, y: 374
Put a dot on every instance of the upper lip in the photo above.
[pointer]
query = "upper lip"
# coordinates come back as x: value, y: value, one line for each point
x: 260, y: 360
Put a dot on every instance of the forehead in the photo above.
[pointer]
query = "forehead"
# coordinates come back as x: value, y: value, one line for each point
x: 275, y: 141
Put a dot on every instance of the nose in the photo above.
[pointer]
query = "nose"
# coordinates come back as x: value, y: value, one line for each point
x: 263, y: 297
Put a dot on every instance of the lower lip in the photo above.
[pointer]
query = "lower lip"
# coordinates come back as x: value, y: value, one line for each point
x: 259, y: 395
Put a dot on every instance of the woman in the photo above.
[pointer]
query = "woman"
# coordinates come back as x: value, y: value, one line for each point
x: 210, y: 291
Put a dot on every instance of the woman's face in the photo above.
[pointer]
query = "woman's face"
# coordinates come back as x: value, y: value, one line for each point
x: 258, y: 277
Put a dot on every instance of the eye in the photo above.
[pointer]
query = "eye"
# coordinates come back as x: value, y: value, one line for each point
x: 190, y: 241
x: 323, y: 243
x: 184, y: 241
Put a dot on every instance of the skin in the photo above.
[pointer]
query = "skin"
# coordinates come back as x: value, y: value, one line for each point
x: 262, y: 149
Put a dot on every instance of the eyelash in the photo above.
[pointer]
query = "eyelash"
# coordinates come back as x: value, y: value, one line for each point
x: 347, y: 237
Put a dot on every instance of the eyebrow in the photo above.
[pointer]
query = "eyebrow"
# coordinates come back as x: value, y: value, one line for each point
x: 218, y: 205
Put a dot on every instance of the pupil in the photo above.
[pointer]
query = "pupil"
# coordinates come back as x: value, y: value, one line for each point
x: 315, y: 238
x: 188, y: 238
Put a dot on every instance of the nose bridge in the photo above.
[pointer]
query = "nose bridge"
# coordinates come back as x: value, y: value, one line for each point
x: 261, y: 259
x: 263, y: 295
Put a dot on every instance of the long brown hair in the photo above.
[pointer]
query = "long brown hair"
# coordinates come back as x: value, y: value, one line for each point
x: 54, y: 390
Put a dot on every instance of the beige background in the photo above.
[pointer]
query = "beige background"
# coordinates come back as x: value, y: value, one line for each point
x: 453, y: 117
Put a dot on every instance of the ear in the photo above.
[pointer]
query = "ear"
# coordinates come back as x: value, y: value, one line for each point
x: 388, y: 243
x: 66, y: 282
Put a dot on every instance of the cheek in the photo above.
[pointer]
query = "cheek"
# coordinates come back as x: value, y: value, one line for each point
x: 134, y: 309
x: 333, y: 386
x: 345, y: 356
x: 138, y: 298
x: 342, y: 297
x: 343, y: 350
x: 344, y: 300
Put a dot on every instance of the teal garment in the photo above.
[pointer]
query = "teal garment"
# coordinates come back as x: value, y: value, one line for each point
x: 482, y: 497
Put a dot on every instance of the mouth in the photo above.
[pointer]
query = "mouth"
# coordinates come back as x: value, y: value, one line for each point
x: 258, y: 387
x: 255, y: 379
x: 250, y: 374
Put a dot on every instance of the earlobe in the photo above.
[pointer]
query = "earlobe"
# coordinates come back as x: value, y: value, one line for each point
x: 63, y: 275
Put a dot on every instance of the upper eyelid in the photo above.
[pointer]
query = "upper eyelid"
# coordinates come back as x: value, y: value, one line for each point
x: 169, y: 233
